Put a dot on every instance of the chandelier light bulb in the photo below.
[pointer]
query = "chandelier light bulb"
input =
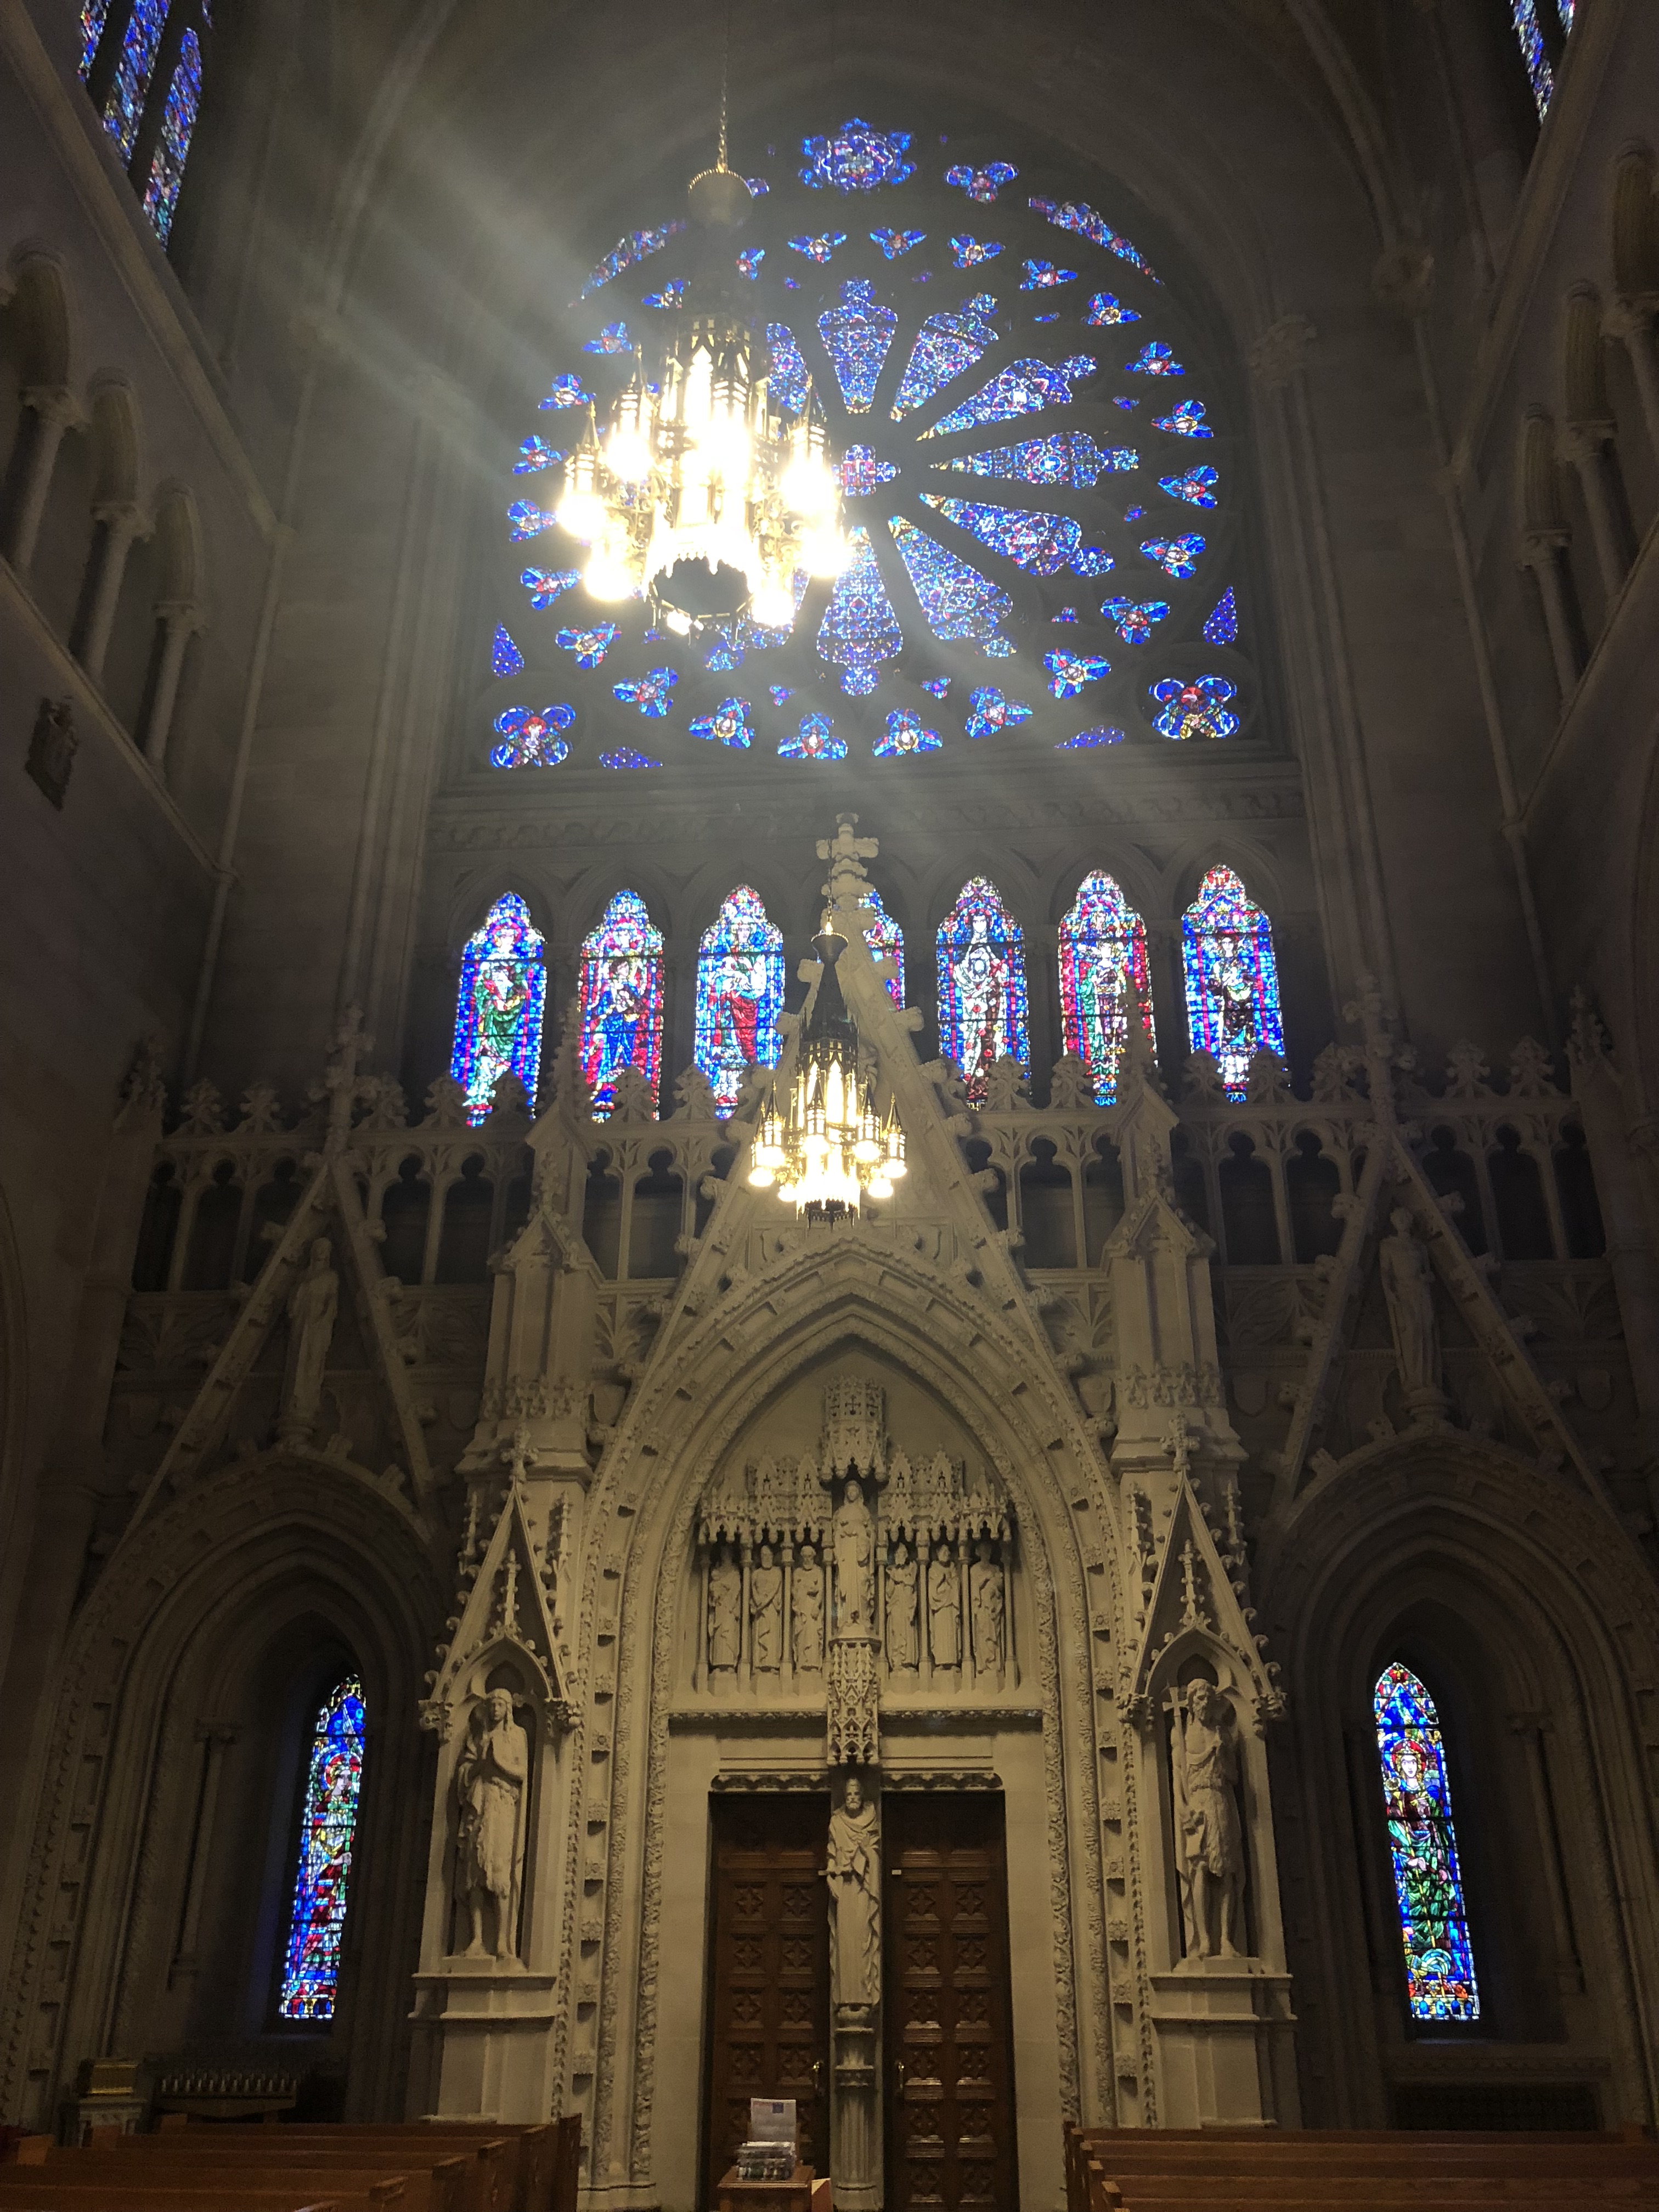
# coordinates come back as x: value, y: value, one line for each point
x: 775, y: 606
x: 607, y: 578
x: 628, y: 455
x: 826, y: 553
x: 582, y: 514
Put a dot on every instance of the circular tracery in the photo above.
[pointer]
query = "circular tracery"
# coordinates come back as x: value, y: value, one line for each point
x: 1037, y: 493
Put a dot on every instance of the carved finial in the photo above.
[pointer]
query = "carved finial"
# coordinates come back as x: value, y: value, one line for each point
x: 347, y: 1047
x: 1006, y: 1090
x: 631, y: 1097
x: 1587, y: 1043
x: 1070, y: 1090
x: 1202, y: 1081
x: 1266, y: 1079
x: 446, y: 1104
x: 1532, y: 1071
x: 381, y: 1103
x: 1383, y: 1054
x: 202, y: 1110
x: 262, y: 1109
x: 1466, y: 1070
x: 570, y: 1090
x: 1136, y: 1068
x: 145, y: 1087
x: 509, y: 1103
x: 694, y: 1097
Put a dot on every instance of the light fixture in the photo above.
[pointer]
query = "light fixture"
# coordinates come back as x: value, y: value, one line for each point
x: 827, y: 1147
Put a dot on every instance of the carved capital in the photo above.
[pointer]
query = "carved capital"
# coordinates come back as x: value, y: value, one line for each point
x: 1582, y: 443
x: 1403, y: 278
x: 55, y: 405
x: 1630, y: 315
x: 1539, y: 548
x: 1282, y: 351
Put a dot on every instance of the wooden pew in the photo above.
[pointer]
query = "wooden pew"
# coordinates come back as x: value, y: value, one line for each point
x: 436, y: 2180
x: 372, y: 2183
x: 34, y: 2189
x: 501, y: 2168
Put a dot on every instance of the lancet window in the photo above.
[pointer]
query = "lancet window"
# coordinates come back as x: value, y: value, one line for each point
x: 1232, y: 978
x: 142, y: 62
x: 1540, y: 29
x: 1102, y: 949
x: 620, y: 996
x: 328, y: 1821
x: 983, y: 1015
x: 498, y: 1015
x: 739, y: 994
x: 1428, y: 1881
x: 886, y: 941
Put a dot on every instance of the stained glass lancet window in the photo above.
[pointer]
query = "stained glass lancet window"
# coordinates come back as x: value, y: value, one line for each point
x: 886, y: 941
x: 311, y: 1964
x: 982, y: 986
x: 1102, y: 942
x: 166, y: 170
x: 620, y: 993
x: 1428, y: 1882
x: 498, y: 1016
x: 739, y: 994
x: 1232, y: 977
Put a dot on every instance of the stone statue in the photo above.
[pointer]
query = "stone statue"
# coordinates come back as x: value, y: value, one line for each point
x: 766, y: 1614
x: 490, y: 1779
x: 852, y: 1538
x: 944, y: 1608
x: 985, y: 1610
x: 854, y: 1874
x: 725, y: 1611
x: 1209, y: 1835
x: 902, y: 1644
x: 808, y: 1594
x: 313, y: 1308
x: 1407, y: 1285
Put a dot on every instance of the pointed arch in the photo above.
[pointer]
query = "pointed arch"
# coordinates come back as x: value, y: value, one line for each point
x: 619, y: 992
x: 1232, y: 977
x: 739, y: 994
x: 1428, y: 1881
x: 886, y: 941
x: 328, y: 1824
x: 499, y: 1009
x: 982, y: 1009
x: 1102, y: 946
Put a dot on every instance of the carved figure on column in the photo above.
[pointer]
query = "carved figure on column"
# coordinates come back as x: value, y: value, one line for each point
x: 1409, y: 1287
x: 1209, y: 1834
x: 902, y: 1643
x: 808, y: 1598
x: 312, y: 1309
x: 725, y: 1611
x: 854, y: 1873
x: 985, y: 1610
x: 851, y: 1537
x: 766, y: 1614
x: 490, y: 1779
x: 944, y: 1608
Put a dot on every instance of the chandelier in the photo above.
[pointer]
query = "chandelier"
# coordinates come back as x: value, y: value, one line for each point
x: 826, y: 1147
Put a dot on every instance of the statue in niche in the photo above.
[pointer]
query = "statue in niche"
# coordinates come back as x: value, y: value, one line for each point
x: 725, y: 1611
x: 314, y: 1306
x: 1209, y: 1834
x: 851, y: 1540
x: 766, y: 1614
x: 1408, y: 1286
x: 854, y: 1874
x: 901, y: 1579
x: 985, y: 1610
x: 808, y: 1627
x: 944, y: 1608
x: 491, y: 1776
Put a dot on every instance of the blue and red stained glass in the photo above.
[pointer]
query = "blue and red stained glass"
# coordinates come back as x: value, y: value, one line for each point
x: 566, y: 391
x: 989, y: 712
x: 505, y: 658
x: 1029, y: 536
x: 860, y: 629
x: 957, y: 601
x: 1102, y: 946
x: 1068, y: 456
x: 729, y: 723
x: 981, y: 185
x: 820, y: 248
x: 895, y: 243
x: 856, y: 159
x: 967, y: 251
x: 589, y: 646
x: 1155, y: 359
x: 982, y: 986
x: 1529, y: 37
x: 1043, y: 276
x: 1428, y: 1881
x: 1195, y: 708
x: 1069, y: 671
x: 1024, y: 387
x: 739, y: 994
x: 862, y: 472
x: 139, y: 41
x: 1197, y: 487
x: 946, y: 344
x: 527, y: 520
x: 856, y: 337
x: 628, y: 249
x: 167, y: 169
x: 1106, y: 308
x: 613, y: 339
x: 1079, y: 217
x: 334, y: 1776
x: 886, y: 941
x: 545, y: 585
x: 816, y: 739
x: 498, y: 1014
x: 1232, y: 978
x: 1186, y: 421
x: 532, y: 739
x: 787, y: 380
x: 535, y: 454
x: 619, y: 995
x: 906, y: 734
x: 1176, y: 557
x: 1222, y: 627
x: 93, y: 15
x: 649, y: 692
x: 1134, y: 618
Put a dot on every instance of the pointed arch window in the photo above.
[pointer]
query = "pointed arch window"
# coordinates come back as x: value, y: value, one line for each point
x: 142, y: 62
x: 983, y: 1012
x: 1428, y: 1881
x: 1540, y: 29
x: 886, y: 941
x: 620, y: 994
x: 498, y: 1015
x: 328, y: 1822
x: 1102, y: 947
x: 1232, y: 977
x: 739, y: 994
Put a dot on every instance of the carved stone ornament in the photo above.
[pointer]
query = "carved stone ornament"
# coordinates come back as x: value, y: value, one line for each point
x: 52, y: 747
x: 507, y: 1615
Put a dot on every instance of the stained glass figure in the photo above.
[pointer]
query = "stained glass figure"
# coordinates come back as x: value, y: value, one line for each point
x: 1069, y: 671
x: 1176, y: 557
x: 167, y: 168
x: 505, y: 658
x: 649, y: 692
x: 1195, y: 708
x: 1102, y: 945
x: 1043, y: 543
x: 613, y: 338
x: 894, y: 243
x: 535, y: 454
x: 1086, y: 740
x: 981, y: 185
x: 671, y: 298
x: 1134, y: 618
x: 886, y: 941
x: 619, y: 998
x: 334, y: 1778
x: 816, y: 739
x: 946, y: 344
x: 1222, y: 627
x: 859, y: 628
x: 739, y: 994
x: 566, y: 391
x: 1078, y: 216
x: 126, y: 105
x: 982, y: 986
x: 545, y: 585
x: 856, y: 337
x: 729, y: 722
x: 787, y: 382
x: 957, y: 601
x: 526, y: 520
x: 1023, y: 388
x: 1529, y: 36
x: 590, y: 646
x: 498, y: 1016
x: 1197, y: 487
x: 1107, y: 307
x: 969, y: 253
x: 989, y: 712
x: 1186, y: 421
x: 1232, y: 978
x: 532, y: 739
x: 856, y: 159
x: 1043, y: 276
x: 624, y: 756
x: 1069, y: 457
x: 1155, y: 359
x: 905, y: 734
x: 627, y: 251
x: 1428, y: 1881
x: 862, y: 473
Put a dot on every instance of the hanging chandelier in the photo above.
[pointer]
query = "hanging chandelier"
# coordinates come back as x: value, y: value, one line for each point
x: 827, y: 1147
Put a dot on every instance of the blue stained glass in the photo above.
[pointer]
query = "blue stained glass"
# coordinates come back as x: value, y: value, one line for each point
x: 1529, y: 35
x: 613, y: 338
x: 1066, y: 614
x: 93, y: 15
x: 883, y: 936
x: 649, y: 692
x: 1197, y: 487
x: 671, y: 299
x: 125, y: 104
x: 781, y: 693
x: 1232, y: 978
x: 820, y: 248
x: 627, y: 251
x: 1134, y: 514
x: 787, y: 381
x: 946, y: 344
x: 619, y: 1000
x: 1043, y: 276
x: 749, y: 263
x: 729, y: 722
x: 982, y: 986
x: 1186, y: 421
x: 532, y: 739
x: 981, y: 185
x: 816, y: 739
x: 1222, y: 627
x: 969, y: 253
x: 957, y: 601
x: 590, y: 646
x: 545, y: 585
x: 791, y: 283
x: 856, y: 337
x: 893, y: 243
x: 856, y: 159
x: 1134, y: 618
x: 906, y: 734
x: 334, y: 1778
x: 859, y: 628
x: 1069, y: 671
x: 1106, y: 307
x: 535, y: 454
x: 1052, y: 317
x: 1024, y: 387
x: 623, y: 757
x: 1093, y: 561
x: 938, y: 685
x: 1155, y: 359
x: 505, y: 658
x: 1102, y: 947
x: 862, y: 473
x: 528, y: 520
x: 1195, y: 708
x: 1069, y: 457
x: 1127, y: 406
x: 1045, y: 544
x: 498, y: 1015
x: 1176, y: 557
x: 167, y: 169
x: 1428, y: 1881
x: 566, y: 391
x: 989, y: 712
x: 1566, y: 9
x: 1086, y: 740
x: 1076, y: 215
x: 740, y: 982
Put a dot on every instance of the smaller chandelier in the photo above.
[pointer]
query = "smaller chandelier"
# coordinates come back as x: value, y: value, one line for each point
x: 827, y: 1147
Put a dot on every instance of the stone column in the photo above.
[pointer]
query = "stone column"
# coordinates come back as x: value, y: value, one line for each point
x: 1541, y: 551
x: 119, y: 524
x: 1585, y: 445
x: 180, y: 619
x: 214, y: 1741
x: 854, y: 1877
x: 53, y: 409
x: 1630, y: 318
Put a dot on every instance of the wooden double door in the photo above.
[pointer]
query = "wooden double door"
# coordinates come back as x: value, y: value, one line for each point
x: 947, y: 2070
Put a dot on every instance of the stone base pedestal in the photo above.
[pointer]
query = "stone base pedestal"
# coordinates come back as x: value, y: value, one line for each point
x: 482, y: 2029
x: 1225, y: 2053
x: 855, y: 2150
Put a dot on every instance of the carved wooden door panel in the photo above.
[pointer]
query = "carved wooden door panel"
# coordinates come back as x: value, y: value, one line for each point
x: 769, y: 1974
x: 949, y: 2060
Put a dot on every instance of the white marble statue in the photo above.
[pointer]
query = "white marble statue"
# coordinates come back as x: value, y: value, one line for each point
x: 852, y: 1539
x: 854, y: 1874
x: 491, y: 1776
x: 1209, y: 1834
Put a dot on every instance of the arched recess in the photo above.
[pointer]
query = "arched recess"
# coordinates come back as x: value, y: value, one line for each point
x: 34, y: 359
x: 220, y: 1615
x: 1536, y: 1629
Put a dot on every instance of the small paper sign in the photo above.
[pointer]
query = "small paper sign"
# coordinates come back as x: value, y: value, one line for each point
x: 772, y: 2119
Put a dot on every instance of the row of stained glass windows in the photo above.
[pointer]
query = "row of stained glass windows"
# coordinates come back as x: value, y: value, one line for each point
x: 1230, y: 971
x: 1542, y: 42
x: 132, y: 57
